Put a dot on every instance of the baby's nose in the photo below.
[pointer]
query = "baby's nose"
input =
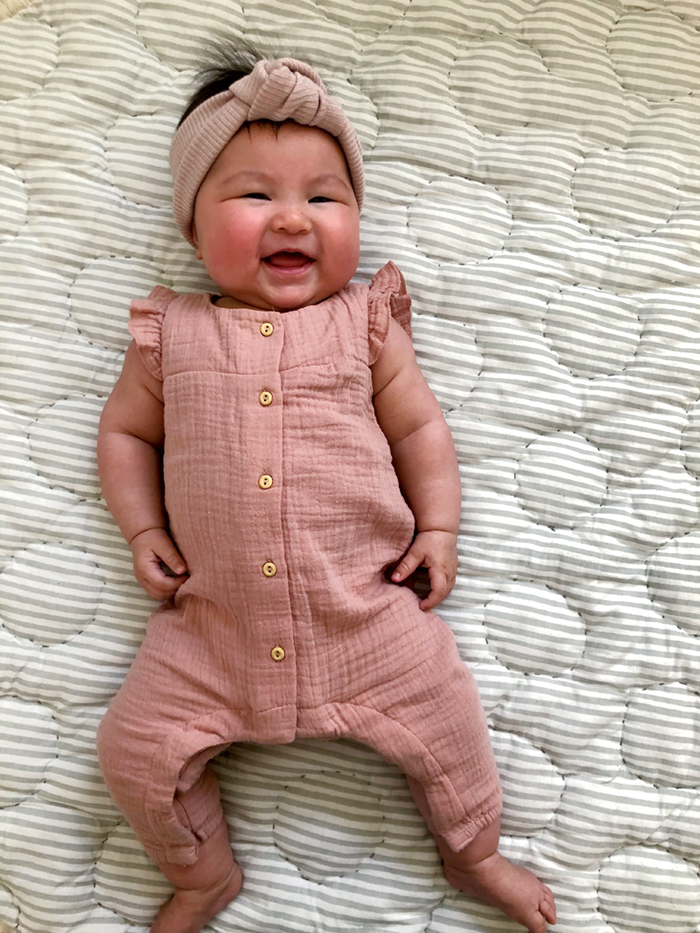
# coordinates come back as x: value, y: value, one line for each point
x: 291, y: 218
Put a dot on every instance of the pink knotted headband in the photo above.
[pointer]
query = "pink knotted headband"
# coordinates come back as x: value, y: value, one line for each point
x: 285, y: 89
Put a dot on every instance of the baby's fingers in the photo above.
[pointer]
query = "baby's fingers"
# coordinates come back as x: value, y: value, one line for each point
x: 155, y: 575
x: 439, y: 589
x: 157, y: 583
x: 409, y: 563
x: 169, y: 555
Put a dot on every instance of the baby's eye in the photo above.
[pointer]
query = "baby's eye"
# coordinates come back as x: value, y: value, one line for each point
x: 258, y: 195
x: 319, y: 200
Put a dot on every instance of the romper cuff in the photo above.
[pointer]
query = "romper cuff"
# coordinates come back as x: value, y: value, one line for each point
x: 146, y: 324
x: 387, y: 298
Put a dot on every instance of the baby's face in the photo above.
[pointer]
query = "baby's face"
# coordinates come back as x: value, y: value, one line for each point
x: 276, y: 221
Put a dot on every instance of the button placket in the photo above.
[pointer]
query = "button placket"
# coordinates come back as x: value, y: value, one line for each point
x: 265, y: 481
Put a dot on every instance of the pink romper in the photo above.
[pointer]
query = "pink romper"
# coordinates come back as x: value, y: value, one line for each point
x: 282, y: 499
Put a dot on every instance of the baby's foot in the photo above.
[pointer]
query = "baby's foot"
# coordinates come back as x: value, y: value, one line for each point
x: 188, y: 911
x: 515, y: 891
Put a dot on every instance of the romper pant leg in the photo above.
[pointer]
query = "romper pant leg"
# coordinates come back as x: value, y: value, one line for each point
x: 436, y: 733
x: 160, y: 731
x: 428, y: 720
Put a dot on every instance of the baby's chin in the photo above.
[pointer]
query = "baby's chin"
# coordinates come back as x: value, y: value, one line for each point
x: 280, y: 300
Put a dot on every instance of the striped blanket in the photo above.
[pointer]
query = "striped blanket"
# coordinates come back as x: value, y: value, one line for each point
x: 533, y: 168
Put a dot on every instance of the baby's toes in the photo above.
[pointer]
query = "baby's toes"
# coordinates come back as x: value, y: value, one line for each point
x: 538, y: 923
x: 548, y: 907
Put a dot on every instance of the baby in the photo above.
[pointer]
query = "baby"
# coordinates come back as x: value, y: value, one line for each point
x: 308, y: 472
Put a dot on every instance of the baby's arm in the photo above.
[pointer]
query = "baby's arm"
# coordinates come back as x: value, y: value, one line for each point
x: 129, y: 448
x: 425, y: 462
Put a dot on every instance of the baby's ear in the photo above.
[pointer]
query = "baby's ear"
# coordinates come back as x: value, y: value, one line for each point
x: 196, y: 240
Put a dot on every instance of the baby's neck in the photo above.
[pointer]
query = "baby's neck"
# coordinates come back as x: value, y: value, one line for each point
x: 229, y: 301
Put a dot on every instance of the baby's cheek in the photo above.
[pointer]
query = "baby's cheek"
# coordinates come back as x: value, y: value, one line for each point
x: 342, y: 265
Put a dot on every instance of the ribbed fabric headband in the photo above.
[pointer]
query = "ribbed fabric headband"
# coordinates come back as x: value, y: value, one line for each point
x: 285, y: 89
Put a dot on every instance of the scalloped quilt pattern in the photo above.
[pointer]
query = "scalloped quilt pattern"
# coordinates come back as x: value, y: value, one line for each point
x: 533, y: 168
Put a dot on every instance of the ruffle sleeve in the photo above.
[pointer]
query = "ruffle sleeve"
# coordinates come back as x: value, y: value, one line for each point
x: 387, y: 298
x: 146, y: 324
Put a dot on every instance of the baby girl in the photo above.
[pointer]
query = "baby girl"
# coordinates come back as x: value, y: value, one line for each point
x: 308, y: 472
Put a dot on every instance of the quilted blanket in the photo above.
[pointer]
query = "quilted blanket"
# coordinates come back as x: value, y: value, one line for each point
x: 533, y: 168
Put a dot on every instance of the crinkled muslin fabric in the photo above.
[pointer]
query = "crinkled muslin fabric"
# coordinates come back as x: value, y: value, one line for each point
x: 533, y: 170
x: 285, y: 504
x: 280, y: 90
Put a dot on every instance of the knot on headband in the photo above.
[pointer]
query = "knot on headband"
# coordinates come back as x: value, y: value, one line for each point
x: 292, y: 92
x: 280, y: 90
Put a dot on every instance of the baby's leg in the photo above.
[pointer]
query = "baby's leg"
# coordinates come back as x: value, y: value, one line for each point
x: 479, y: 870
x: 202, y: 890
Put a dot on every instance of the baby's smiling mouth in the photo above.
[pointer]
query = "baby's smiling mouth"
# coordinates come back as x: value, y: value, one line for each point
x: 288, y: 259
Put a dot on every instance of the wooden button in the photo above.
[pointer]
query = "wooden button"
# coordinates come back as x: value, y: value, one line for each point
x: 277, y: 653
x: 265, y: 398
x: 269, y: 569
x: 265, y: 481
x: 266, y: 329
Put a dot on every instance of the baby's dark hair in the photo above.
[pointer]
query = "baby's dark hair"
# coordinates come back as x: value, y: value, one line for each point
x: 224, y: 62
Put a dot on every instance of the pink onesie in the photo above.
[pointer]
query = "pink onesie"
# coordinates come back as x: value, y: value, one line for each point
x: 282, y: 499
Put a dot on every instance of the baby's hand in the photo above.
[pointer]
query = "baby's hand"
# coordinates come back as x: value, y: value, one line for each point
x: 436, y: 550
x: 151, y: 549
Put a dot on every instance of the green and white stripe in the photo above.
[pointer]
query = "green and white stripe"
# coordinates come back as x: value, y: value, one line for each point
x: 533, y: 169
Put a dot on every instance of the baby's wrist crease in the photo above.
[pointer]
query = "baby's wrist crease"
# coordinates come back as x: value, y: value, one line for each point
x: 143, y: 532
x: 444, y: 531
